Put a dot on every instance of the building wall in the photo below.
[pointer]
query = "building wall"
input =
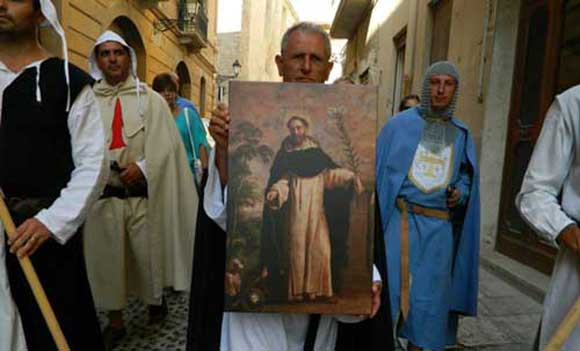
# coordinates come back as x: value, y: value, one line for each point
x: 481, y: 44
x: 263, y: 24
x: 255, y: 46
x: 497, y: 106
x: 229, y: 51
x: 85, y: 20
x: 466, y: 51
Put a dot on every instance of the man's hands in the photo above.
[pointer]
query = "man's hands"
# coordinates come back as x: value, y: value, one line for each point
x: 30, y: 235
x: 219, y: 126
x: 132, y: 174
x: 453, y: 197
x: 377, y: 287
x: 376, y: 291
x: 272, y: 198
x: 570, y: 237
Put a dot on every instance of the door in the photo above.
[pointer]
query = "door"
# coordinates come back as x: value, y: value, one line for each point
x: 547, y: 63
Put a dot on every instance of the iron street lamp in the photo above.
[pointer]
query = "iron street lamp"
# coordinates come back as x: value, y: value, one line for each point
x: 221, y: 78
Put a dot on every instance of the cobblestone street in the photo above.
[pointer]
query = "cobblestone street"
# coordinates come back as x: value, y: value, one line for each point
x: 508, y: 320
x: 166, y: 336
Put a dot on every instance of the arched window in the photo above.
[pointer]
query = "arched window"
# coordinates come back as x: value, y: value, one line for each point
x: 129, y: 31
x: 184, y: 80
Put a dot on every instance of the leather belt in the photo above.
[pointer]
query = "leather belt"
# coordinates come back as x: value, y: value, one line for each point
x: 23, y: 208
x: 405, y: 208
x: 123, y: 192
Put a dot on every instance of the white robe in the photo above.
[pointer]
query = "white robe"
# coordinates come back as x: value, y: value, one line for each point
x: 160, y: 229
x: 266, y: 331
x: 555, y: 168
x: 309, y: 245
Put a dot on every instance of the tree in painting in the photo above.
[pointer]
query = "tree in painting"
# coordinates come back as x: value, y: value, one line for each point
x: 243, y: 231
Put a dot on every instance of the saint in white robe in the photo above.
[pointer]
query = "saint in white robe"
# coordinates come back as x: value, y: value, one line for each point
x: 308, y: 231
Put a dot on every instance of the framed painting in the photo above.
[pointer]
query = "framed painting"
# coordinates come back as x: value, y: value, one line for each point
x: 301, y: 165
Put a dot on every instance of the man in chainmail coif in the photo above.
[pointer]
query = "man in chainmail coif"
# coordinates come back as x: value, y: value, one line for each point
x: 428, y: 192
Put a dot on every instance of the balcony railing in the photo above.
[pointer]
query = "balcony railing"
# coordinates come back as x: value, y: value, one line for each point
x: 193, y: 23
x: 151, y: 3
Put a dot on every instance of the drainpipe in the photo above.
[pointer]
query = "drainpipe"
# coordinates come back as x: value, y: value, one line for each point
x: 490, y: 6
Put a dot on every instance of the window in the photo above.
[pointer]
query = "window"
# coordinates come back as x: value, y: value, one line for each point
x: 222, y: 92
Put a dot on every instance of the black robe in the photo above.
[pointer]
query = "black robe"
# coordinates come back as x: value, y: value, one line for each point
x: 206, y: 303
x: 35, y: 165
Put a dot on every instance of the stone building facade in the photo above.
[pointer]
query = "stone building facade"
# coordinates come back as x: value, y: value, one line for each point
x: 168, y: 35
x: 263, y: 22
x: 513, y: 56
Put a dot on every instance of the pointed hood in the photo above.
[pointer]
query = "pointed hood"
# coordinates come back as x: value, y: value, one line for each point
x: 96, y: 72
x: 105, y: 37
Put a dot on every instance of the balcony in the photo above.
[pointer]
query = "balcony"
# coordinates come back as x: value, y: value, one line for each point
x: 190, y: 26
x: 150, y: 4
x: 193, y: 24
x: 349, y: 14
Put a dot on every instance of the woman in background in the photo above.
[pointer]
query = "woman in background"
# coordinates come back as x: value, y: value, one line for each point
x: 189, y: 125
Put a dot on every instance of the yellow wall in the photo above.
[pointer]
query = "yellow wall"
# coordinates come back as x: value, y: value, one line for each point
x: 482, y: 42
x: 85, y: 20
x: 263, y: 24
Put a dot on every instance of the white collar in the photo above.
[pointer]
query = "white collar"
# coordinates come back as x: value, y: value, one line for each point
x: 36, y: 64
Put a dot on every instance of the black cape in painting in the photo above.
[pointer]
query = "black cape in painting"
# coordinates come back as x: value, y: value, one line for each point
x: 206, y: 304
x: 35, y: 165
x: 273, y: 247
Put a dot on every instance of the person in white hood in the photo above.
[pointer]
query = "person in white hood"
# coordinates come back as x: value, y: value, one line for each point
x: 52, y: 169
x: 139, y: 235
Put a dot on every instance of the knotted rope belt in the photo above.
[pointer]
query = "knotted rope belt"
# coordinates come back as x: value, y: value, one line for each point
x: 405, y: 208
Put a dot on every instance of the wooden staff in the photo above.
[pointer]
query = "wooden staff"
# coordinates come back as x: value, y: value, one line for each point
x: 566, y: 328
x: 35, y: 285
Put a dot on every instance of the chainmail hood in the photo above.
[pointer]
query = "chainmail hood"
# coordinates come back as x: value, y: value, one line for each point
x: 438, y: 68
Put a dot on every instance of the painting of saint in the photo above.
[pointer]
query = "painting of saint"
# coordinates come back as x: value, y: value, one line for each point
x: 300, y: 234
